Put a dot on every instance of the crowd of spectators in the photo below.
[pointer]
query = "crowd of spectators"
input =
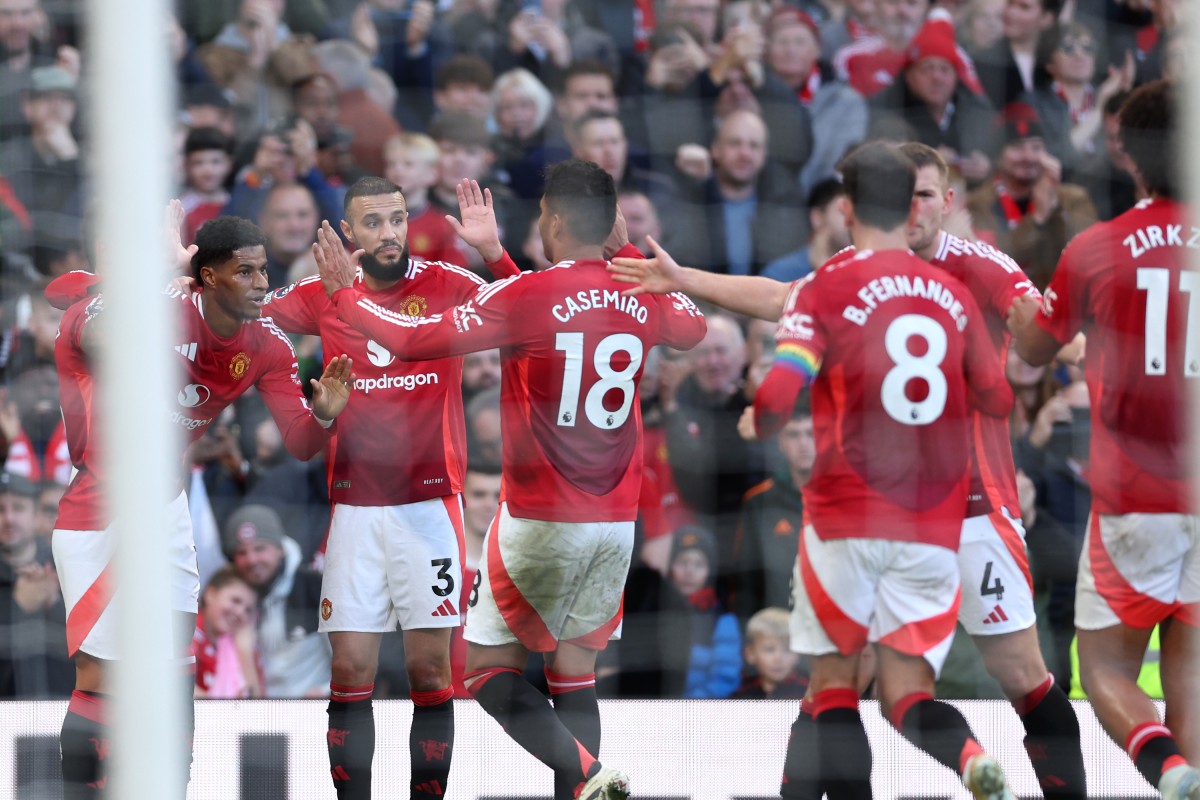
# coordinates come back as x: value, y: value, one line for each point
x: 722, y: 123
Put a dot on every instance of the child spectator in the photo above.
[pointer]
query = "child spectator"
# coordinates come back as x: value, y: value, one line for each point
x: 412, y: 164
x: 225, y: 645
x: 716, y: 662
x: 208, y: 159
x: 767, y: 652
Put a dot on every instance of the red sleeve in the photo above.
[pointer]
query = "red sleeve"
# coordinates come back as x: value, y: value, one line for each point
x: 279, y: 385
x: 480, y: 323
x: 800, y: 343
x: 1002, y: 278
x: 683, y: 325
x: 990, y: 391
x: 65, y: 290
x: 628, y: 251
x: 1063, y: 301
x: 293, y: 307
x: 504, y: 267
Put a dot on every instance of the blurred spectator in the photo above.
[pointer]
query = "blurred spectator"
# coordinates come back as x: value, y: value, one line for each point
x: 982, y: 26
x: 715, y: 666
x: 828, y: 234
x: 745, y: 215
x: 1032, y: 387
x: 205, y: 20
x: 49, y: 495
x: 548, y: 36
x: 703, y: 16
x: 1009, y: 68
x: 32, y: 426
x: 411, y: 42
x: 45, y: 168
x: 464, y: 83
x: 768, y: 654
x: 474, y: 27
x: 483, y: 427
x: 1152, y: 40
x: 412, y: 163
x: 298, y: 490
x: 32, y: 345
x: 585, y: 86
x: 369, y: 124
x: 872, y: 63
x: 1054, y: 454
x: 208, y: 106
x: 21, y: 50
x: 641, y: 218
x: 937, y: 99
x: 837, y: 112
x: 480, y: 372
x: 33, y: 653
x: 224, y: 645
x: 523, y: 107
x: 289, y: 220
x: 1108, y: 173
x: 295, y: 658
x: 600, y: 137
x: 465, y: 153
x: 1032, y: 211
x: 842, y: 23
x: 713, y: 466
x: 208, y: 159
x: 481, y: 501
x: 315, y: 99
x: 772, y: 517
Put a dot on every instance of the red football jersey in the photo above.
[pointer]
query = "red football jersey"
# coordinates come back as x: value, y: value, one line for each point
x: 897, y: 354
x: 1125, y: 284
x: 402, y: 439
x: 214, y: 373
x: 572, y: 348
x: 995, y: 281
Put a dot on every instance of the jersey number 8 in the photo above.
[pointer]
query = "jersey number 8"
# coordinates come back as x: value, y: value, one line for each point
x: 909, y: 367
x: 621, y: 380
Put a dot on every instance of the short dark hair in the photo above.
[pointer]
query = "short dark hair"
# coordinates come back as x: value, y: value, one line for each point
x: 218, y: 238
x: 879, y: 181
x: 1148, y: 135
x: 368, y: 186
x: 824, y: 193
x: 922, y: 155
x: 586, y: 66
x: 592, y: 115
x: 484, y: 466
x: 585, y: 196
x: 459, y: 127
x: 465, y: 68
x: 201, y: 139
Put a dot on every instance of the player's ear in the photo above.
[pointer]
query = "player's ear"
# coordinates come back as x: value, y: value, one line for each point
x: 207, y: 278
x: 847, y: 209
x: 346, y: 231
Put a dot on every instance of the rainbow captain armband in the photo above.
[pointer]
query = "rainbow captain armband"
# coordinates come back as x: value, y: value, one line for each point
x: 798, y: 359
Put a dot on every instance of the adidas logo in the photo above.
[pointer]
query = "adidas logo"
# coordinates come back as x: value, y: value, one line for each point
x: 997, y: 615
x: 430, y: 787
x: 446, y: 609
x: 188, y: 351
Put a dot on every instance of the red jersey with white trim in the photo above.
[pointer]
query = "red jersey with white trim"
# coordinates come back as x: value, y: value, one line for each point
x: 1125, y: 284
x: 403, y: 438
x: 215, y: 372
x: 995, y: 281
x: 897, y: 353
x: 572, y: 348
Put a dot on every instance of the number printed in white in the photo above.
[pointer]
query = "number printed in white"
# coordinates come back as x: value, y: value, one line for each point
x: 1156, y: 283
x: 908, y: 367
x: 621, y: 380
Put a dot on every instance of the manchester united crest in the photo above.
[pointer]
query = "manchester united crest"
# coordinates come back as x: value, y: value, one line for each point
x: 238, y: 365
x: 326, y: 609
x: 414, y: 305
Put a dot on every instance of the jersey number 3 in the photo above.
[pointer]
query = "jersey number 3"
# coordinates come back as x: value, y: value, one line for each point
x: 609, y: 379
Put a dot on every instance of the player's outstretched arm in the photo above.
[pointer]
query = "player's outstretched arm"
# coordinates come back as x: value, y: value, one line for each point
x: 753, y: 296
x: 178, y: 256
x: 332, y: 392
x: 478, y: 228
x: 336, y: 268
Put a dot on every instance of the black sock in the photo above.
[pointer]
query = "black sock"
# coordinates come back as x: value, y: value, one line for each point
x: 579, y: 711
x: 802, y: 765
x: 351, y: 741
x: 842, y: 747
x: 431, y: 743
x: 526, y: 716
x: 1151, y: 745
x: 1052, y: 742
x: 938, y: 729
x: 84, y: 743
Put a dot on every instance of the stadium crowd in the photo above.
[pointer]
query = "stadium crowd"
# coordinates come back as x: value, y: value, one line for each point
x: 722, y: 124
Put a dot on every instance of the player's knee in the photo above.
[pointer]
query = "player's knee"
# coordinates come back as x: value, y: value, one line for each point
x: 429, y: 674
x: 353, y: 669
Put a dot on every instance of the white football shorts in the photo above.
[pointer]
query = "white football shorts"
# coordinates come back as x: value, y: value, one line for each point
x: 997, y: 586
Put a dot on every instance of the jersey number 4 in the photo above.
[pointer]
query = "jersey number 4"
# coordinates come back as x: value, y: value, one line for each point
x: 609, y: 379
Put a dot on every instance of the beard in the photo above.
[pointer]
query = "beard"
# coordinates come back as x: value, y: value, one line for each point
x: 383, y: 271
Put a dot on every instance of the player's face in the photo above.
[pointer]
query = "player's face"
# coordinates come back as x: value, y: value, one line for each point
x: 930, y: 204
x: 689, y: 571
x: 258, y: 561
x: 229, y: 608
x: 240, y: 284
x: 771, y: 657
x: 797, y: 444
x: 481, y: 500
x: 379, y: 225
x: 16, y: 520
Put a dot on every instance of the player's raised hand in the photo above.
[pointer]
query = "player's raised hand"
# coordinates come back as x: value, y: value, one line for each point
x: 178, y: 256
x: 1021, y: 313
x: 478, y: 227
x: 337, y: 269
x: 658, y: 275
x: 332, y: 391
x: 746, y: 425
